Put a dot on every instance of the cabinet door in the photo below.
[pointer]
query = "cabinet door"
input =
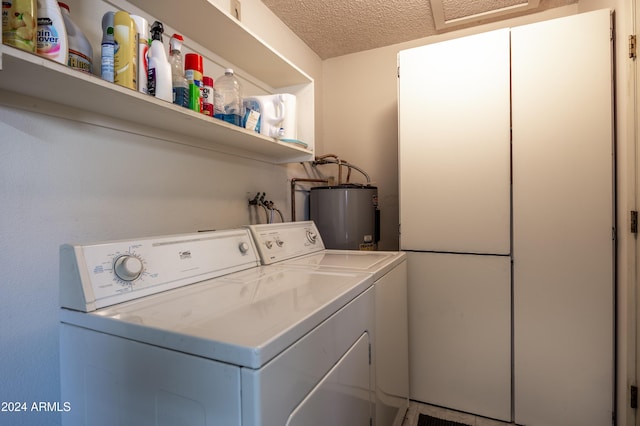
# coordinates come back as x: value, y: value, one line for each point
x: 454, y: 145
x: 460, y: 332
x: 562, y: 221
x: 342, y: 398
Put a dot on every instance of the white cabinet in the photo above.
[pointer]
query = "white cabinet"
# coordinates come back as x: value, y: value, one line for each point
x: 557, y: 221
x: 563, y: 246
x: 454, y: 100
x: 454, y: 145
x: 460, y: 332
x: 90, y: 97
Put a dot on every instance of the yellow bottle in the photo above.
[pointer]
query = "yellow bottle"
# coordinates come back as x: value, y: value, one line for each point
x: 19, y: 24
x: 125, y: 57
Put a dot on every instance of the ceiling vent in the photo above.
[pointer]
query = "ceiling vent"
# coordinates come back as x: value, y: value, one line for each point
x: 450, y: 13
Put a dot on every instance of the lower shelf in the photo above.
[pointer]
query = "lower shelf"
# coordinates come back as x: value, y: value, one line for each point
x: 27, y: 74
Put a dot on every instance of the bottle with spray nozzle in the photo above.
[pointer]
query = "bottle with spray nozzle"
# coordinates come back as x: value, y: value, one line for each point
x: 159, y: 75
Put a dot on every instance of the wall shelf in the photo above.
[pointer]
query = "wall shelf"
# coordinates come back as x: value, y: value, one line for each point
x: 221, y: 33
x: 37, y: 77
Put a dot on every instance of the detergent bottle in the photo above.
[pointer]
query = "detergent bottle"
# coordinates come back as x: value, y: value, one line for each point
x: 272, y: 114
x: 51, y: 37
x: 80, y: 50
x: 19, y: 24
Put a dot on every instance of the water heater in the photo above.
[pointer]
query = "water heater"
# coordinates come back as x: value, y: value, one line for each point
x: 347, y: 216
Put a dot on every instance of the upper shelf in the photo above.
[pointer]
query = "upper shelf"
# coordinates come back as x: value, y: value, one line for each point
x: 41, y: 78
x: 203, y: 22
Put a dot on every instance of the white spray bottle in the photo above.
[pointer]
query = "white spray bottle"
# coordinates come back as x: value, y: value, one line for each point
x: 159, y: 72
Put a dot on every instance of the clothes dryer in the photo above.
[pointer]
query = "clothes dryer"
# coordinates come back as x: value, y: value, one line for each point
x: 299, y: 245
x: 191, y: 330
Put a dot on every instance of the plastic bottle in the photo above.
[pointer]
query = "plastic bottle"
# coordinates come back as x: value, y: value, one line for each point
x: 228, y: 98
x: 179, y: 83
x: 193, y: 72
x: 125, y: 55
x: 80, y: 50
x: 159, y: 75
x: 207, y: 96
x: 108, y: 47
x: 19, y: 24
x: 52, y: 34
x: 142, y: 25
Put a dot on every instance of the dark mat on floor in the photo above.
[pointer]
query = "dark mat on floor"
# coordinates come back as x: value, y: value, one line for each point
x: 425, y: 420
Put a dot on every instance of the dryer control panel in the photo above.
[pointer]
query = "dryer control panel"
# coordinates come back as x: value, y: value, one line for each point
x: 94, y: 276
x: 282, y: 241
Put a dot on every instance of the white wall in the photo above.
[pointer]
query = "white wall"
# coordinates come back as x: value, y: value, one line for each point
x: 64, y: 181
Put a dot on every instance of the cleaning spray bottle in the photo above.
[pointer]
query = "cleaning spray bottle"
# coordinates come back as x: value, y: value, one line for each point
x: 159, y: 76
x: 143, y: 47
x: 125, y: 57
x: 107, y: 48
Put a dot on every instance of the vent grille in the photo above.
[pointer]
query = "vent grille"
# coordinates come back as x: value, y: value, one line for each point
x: 448, y: 13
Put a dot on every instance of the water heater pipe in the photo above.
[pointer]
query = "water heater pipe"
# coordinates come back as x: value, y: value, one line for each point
x: 324, y: 159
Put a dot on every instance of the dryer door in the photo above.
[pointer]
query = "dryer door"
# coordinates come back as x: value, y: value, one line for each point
x: 343, y: 396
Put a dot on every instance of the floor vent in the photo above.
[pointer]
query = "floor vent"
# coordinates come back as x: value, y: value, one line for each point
x: 425, y: 420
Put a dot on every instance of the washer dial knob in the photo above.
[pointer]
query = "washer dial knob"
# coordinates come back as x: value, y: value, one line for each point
x: 127, y: 267
x: 312, y: 237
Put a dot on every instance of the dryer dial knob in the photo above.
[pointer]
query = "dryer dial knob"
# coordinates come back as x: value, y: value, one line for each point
x: 243, y: 247
x: 127, y: 267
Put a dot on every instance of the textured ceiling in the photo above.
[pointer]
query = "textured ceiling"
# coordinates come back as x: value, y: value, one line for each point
x: 339, y: 27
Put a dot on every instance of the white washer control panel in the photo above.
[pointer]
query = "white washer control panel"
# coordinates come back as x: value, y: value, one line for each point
x: 282, y: 241
x: 97, y: 275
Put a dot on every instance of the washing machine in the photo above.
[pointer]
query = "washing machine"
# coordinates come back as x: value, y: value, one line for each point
x: 299, y: 245
x: 191, y: 330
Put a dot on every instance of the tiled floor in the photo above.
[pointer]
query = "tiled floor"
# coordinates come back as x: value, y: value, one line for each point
x: 415, y: 408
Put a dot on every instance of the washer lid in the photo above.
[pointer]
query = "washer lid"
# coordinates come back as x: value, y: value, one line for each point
x: 374, y: 262
x: 245, y: 318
